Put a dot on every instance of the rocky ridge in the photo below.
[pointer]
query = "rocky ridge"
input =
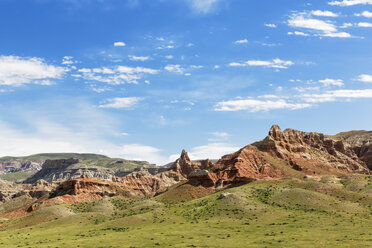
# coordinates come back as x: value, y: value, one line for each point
x: 288, y: 153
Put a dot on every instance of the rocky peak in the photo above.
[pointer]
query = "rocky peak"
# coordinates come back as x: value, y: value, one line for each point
x: 276, y: 133
x: 184, y: 157
x: 184, y: 165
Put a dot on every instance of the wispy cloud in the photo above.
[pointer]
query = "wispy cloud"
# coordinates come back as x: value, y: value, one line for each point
x: 17, y: 71
x: 305, y: 20
x: 301, y: 21
x: 203, y: 6
x: 68, y: 60
x: 298, y: 33
x: 324, y: 13
x: 243, y: 41
x: 254, y: 105
x: 350, y: 2
x: 219, y: 136
x: 212, y: 151
x: 116, y: 75
x: 331, y: 82
x: 138, y: 58
x: 175, y: 69
x: 121, y: 102
x: 332, y: 96
x: 275, y: 63
x: 270, y: 25
x: 366, y: 14
x: 119, y: 44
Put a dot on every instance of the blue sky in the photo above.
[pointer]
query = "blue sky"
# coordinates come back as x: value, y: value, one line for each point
x: 144, y: 79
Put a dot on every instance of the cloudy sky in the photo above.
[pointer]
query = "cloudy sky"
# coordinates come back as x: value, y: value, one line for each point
x: 144, y: 79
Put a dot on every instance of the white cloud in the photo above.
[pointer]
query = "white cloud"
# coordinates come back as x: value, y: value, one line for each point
x: 269, y: 96
x: 116, y: 75
x: 121, y: 102
x: 331, y: 82
x: 203, y: 6
x: 169, y: 57
x: 253, y: 105
x: 243, y: 41
x: 338, y: 35
x: 196, y: 66
x: 298, y: 33
x: 318, y: 27
x: 324, y: 13
x: 17, y: 71
x: 270, y: 25
x: 119, y: 44
x: 175, y: 69
x: 350, y: 2
x: 346, y: 25
x: 67, y: 60
x: 275, y: 63
x: 365, y: 78
x: 366, y: 14
x: 300, y: 21
x: 212, y: 151
x: 165, y: 47
x: 331, y: 96
x: 364, y: 24
x: 138, y: 58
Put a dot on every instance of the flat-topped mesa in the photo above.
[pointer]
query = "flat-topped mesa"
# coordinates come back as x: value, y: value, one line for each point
x: 59, y: 163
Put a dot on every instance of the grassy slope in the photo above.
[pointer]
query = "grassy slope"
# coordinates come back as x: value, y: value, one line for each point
x: 45, y: 156
x: 285, y: 213
x: 18, y: 176
x: 87, y: 160
x: 111, y: 163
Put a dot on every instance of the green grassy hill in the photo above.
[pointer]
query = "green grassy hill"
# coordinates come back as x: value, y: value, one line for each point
x: 86, y: 161
x: 283, y: 213
x: 18, y: 176
x: 45, y: 156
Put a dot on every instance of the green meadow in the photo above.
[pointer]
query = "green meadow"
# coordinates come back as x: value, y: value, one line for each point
x: 331, y: 212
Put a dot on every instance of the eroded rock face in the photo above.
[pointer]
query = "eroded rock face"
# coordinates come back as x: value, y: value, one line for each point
x: 281, y: 154
x: 278, y: 154
x: 298, y: 148
x: 64, y: 169
x: 184, y: 166
x: 361, y: 143
x: 15, y: 166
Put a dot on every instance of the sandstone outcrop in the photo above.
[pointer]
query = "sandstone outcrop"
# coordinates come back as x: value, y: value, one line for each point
x: 312, y: 151
x: 288, y: 153
x: 361, y: 143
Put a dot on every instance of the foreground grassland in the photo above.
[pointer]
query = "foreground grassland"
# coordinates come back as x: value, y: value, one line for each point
x: 285, y: 213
